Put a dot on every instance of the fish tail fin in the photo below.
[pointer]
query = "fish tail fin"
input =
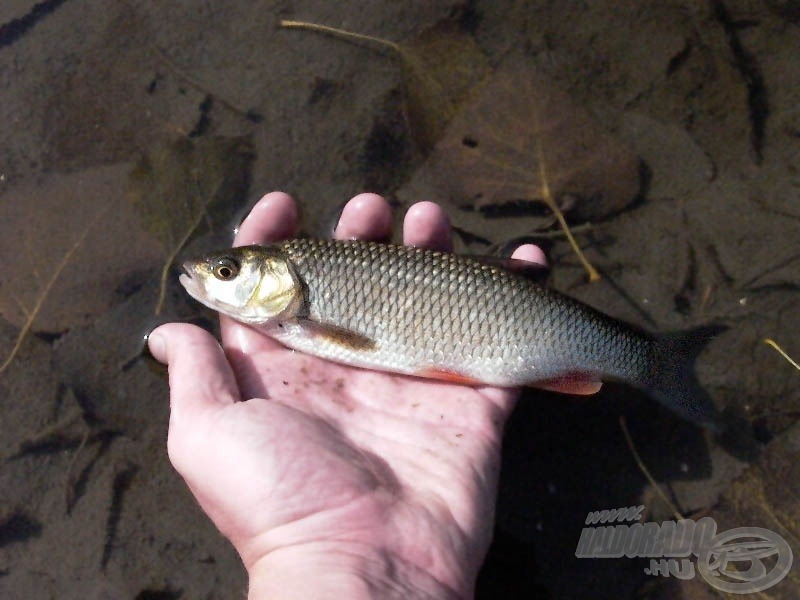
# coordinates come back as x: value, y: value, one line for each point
x: 674, y: 382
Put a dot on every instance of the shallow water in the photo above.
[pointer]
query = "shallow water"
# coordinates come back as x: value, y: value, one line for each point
x: 129, y: 129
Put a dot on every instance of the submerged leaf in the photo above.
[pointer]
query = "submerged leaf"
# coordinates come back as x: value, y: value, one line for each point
x: 178, y: 187
x: 441, y: 67
x: 520, y: 135
x: 68, y: 250
x: 521, y: 139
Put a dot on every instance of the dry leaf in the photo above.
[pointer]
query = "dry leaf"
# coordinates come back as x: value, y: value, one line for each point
x: 180, y: 186
x: 69, y: 243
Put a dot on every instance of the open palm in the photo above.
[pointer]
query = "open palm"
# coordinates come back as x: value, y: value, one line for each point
x: 325, y: 466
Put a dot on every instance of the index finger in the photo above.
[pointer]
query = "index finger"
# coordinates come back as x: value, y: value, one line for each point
x: 273, y: 218
x: 200, y: 377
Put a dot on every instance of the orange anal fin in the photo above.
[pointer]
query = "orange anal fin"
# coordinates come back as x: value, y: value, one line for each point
x: 578, y: 384
x: 449, y: 376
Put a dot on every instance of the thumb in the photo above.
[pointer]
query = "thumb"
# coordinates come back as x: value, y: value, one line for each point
x: 200, y: 377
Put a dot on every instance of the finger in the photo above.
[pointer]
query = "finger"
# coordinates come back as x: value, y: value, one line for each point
x: 530, y: 253
x: 365, y: 217
x: 273, y: 218
x: 427, y: 225
x: 200, y: 377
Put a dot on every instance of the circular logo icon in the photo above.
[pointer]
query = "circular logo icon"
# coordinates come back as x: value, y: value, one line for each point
x: 734, y: 560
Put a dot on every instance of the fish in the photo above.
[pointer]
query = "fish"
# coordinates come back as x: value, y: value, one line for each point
x: 440, y: 315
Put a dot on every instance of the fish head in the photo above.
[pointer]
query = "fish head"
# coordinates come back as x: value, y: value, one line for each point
x: 252, y: 284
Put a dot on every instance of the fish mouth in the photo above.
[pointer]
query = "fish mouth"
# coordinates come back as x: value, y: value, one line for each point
x: 188, y: 267
x: 188, y: 281
x: 193, y: 282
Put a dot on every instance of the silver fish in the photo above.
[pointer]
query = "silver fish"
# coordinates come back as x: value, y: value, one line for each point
x: 435, y: 314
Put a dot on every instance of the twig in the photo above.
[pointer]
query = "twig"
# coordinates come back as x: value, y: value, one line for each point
x: 548, y: 199
x: 558, y: 233
x: 341, y: 33
x: 46, y: 291
x: 199, y: 85
x: 162, y: 291
x: 48, y: 432
x: 676, y: 513
x: 69, y: 487
x: 779, y: 350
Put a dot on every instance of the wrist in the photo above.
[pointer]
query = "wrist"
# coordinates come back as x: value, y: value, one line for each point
x: 331, y: 569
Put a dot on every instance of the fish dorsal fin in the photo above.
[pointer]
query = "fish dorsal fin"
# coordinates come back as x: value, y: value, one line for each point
x: 337, y: 335
x: 534, y: 271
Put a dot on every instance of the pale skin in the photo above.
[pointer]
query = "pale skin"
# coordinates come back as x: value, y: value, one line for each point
x: 331, y: 480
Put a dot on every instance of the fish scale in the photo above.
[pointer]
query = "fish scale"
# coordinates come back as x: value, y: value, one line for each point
x: 522, y: 333
x: 434, y: 314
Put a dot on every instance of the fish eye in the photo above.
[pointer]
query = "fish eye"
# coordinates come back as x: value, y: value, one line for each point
x: 226, y: 269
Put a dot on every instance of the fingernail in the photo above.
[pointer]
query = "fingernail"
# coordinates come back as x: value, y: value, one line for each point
x: 157, y: 345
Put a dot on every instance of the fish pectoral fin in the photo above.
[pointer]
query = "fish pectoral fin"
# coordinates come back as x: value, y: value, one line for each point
x: 577, y: 384
x: 338, y: 335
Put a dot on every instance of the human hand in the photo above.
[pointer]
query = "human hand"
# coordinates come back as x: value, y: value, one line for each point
x: 327, y: 478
